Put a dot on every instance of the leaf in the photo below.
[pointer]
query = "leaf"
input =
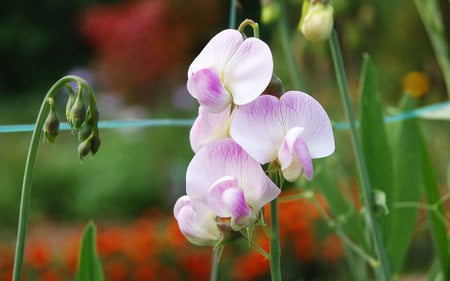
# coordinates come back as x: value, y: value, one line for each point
x: 402, y: 219
x: 374, y: 139
x: 438, y: 228
x: 89, y: 266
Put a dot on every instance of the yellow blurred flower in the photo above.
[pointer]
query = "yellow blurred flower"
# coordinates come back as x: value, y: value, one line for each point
x: 416, y: 84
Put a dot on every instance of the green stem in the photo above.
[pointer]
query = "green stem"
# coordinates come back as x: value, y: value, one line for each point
x: 430, y: 14
x: 283, y: 30
x: 383, y: 271
x: 215, y: 265
x: 28, y: 173
x: 232, y: 19
x: 275, y: 249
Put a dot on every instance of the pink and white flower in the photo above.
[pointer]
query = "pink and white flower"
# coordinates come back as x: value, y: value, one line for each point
x: 291, y: 130
x: 230, y: 70
x: 197, y: 222
x: 209, y: 127
x: 233, y: 185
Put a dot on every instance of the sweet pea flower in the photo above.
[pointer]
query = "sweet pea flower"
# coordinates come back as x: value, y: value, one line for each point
x: 291, y: 130
x: 197, y: 222
x: 209, y: 127
x: 228, y: 70
x: 231, y: 183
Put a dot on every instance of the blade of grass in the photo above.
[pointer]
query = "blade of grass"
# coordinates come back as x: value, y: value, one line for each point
x: 438, y: 229
x: 373, y: 132
x: 407, y: 188
x: 89, y: 266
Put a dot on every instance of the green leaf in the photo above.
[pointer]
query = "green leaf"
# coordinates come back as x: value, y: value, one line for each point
x: 402, y: 219
x: 437, y: 214
x: 373, y: 132
x: 89, y: 266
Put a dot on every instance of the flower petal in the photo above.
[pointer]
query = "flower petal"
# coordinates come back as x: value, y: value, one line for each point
x: 294, y: 156
x: 223, y: 158
x: 258, y: 128
x: 249, y: 71
x: 226, y: 199
x: 196, y: 222
x: 209, y: 127
x: 217, y: 52
x: 298, y: 109
x: 206, y: 87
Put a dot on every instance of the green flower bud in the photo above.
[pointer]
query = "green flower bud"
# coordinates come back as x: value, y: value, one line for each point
x: 77, y: 113
x: 84, y: 148
x: 317, y: 21
x: 95, y: 144
x: 51, y: 126
x: 275, y: 87
x: 85, y: 132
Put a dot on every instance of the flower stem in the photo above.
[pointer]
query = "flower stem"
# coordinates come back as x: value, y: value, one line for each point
x: 275, y: 249
x: 28, y: 173
x: 232, y: 19
x: 283, y: 30
x: 215, y: 265
x: 383, y: 271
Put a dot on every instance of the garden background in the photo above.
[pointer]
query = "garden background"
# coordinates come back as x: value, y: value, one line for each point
x: 135, y: 55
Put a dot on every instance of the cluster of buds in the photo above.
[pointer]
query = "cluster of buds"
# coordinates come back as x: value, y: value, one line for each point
x: 83, y: 120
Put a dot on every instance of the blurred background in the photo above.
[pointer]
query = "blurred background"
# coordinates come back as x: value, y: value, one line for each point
x: 135, y: 54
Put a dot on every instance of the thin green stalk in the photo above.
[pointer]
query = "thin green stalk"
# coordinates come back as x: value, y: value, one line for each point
x: 383, y: 271
x: 432, y: 20
x: 275, y: 249
x: 232, y: 19
x: 28, y: 173
x: 215, y: 265
x: 283, y: 30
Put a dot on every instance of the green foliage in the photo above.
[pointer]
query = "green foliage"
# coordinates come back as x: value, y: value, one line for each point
x: 89, y: 266
x: 401, y: 220
x: 373, y: 133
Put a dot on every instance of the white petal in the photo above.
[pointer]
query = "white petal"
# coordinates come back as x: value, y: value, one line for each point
x: 301, y: 110
x: 209, y: 127
x: 198, y: 225
x: 249, y: 71
x: 258, y: 128
x: 217, y: 52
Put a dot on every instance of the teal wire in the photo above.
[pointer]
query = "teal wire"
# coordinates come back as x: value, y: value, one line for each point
x: 148, y: 123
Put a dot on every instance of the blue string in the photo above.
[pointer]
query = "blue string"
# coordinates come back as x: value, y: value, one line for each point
x: 146, y: 123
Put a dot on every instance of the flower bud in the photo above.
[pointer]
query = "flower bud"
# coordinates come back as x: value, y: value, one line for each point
x: 317, y: 21
x: 95, y: 142
x: 77, y: 113
x: 51, y: 126
x: 84, y: 148
x: 275, y: 87
x: 85, y: 132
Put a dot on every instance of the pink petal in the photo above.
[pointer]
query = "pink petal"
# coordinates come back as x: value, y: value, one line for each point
x: 249, y: 71
x: 217, y: 52
x: 258, y: 128
x: 223, y: 158
x: 206, y: 87
x: 209, y: 127
x: 226, y: 199
x: 294, y: 156
x: 301, y: 110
